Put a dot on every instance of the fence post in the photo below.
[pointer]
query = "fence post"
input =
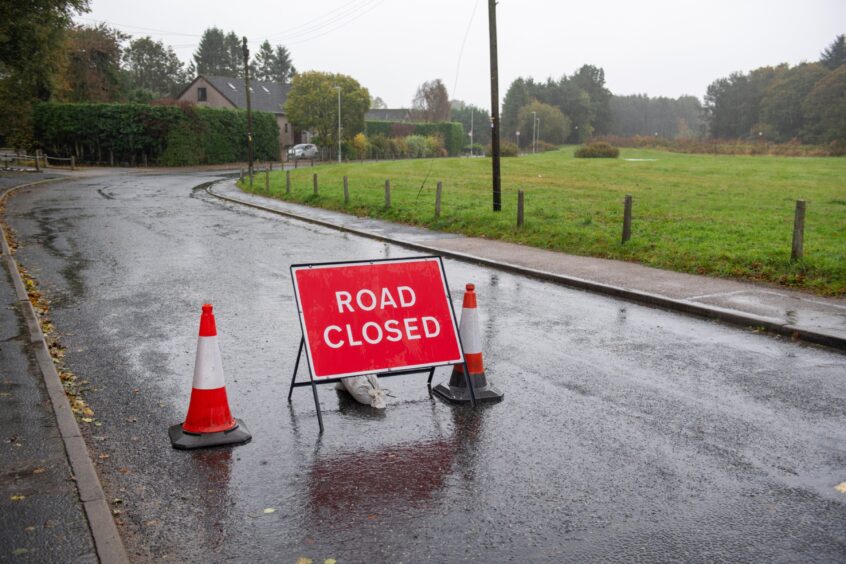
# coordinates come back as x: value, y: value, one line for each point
x: 627, y: 219
x: 312, y: 162
x: 287, y: 182
x: 73, y: 163
x: 314, y: 180
x: 387, y: 194
x: 241, y: 175
x: 145, y: 158
x: 438, y: 199
x: 346, y: 191
x: 267, y: 179
x: 798, y: 250
x: 520, y: 203
x: 296, y: 163
x: 111, y: 157
x: 37, y: 160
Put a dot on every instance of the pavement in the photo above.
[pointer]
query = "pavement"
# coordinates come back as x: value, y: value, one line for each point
x: 784, y: 312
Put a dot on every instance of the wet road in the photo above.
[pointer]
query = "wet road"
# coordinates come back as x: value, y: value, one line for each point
x: 627, y: 433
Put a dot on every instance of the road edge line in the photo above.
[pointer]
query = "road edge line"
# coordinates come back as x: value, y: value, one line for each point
x: 727, y: 316
x: 107, y: 541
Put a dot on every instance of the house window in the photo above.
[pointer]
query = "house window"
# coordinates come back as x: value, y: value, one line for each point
x: 201, y: 94
x: 286, y: 128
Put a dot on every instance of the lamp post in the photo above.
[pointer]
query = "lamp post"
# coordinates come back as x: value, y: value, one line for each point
x: 338, y: 88
x: 518, y: 142
x: 537, y: 137
x: 534, y: 130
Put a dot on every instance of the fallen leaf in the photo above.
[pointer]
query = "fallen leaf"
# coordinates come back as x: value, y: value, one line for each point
x: 123, y: 470
x: 20, y: 551
x: 88, y: 412
x: 303, y: 560
x: 87, y: 420
x: 29, y: 529
x: 117, y: 501
x: 841, y: 487
x: 269, y: 510
x: 116, y: 511
x: 104, y: 456
x: 18, y: 497
x: 330, y: 561
x: 39, y: 471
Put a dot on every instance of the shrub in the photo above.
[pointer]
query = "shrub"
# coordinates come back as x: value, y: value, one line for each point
x: 451, y: 133
x: 360, y: 145
x: 506, y: 149
x: 543, y: 146
x: 416, y: 146
x: 474, y: 149
x: 597, y: 150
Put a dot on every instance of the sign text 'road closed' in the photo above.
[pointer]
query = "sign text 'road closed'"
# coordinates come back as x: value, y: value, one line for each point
x: 365, y: 317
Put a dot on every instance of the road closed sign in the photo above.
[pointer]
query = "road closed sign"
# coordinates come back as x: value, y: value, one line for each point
x: 376, y: 316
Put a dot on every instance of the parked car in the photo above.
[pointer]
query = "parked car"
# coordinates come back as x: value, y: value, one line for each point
x: 302, y: 151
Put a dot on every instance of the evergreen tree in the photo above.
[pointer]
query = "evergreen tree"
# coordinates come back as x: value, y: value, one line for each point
x: 283, y: 67
x: 835, y: 54
x: 264, y: 62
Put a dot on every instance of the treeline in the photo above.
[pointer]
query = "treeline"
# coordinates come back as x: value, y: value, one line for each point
x: 806, y: 102
x: 669, y: 118
x: 45, y: 56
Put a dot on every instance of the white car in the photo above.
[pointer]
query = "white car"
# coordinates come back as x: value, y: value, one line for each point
x: 302, y: 151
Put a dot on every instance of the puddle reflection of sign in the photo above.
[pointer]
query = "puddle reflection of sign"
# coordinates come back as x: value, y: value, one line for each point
x: 379, y: 316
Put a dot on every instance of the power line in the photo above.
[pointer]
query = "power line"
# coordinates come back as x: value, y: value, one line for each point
x: 461, y: 51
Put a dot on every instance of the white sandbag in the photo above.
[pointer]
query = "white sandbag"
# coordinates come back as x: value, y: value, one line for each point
x: 365, y: 389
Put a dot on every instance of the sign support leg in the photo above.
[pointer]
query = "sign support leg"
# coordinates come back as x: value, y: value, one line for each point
x: 469, y: 383
x: 296, y: 367
x: 429, y: 381
x: 316, y: 399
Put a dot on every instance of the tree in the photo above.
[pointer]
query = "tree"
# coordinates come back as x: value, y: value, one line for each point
x: 554, y: 126
x: 781, y: 106
x: 32, y: 35
x: 518, y: 95
x: 835, y: 54
x: 639, y: 114
x: 825, y: 109
x: 480, y: 121
x: 732, y: 105
x: 219, y: 54
x: 431, y: 102
x: 283, y: 68
x: 591, y: 79
x: 92, y: 73
x: 263, y: 62
x: 151, y: 67
x: 313, y: 105
x: 377, y: 103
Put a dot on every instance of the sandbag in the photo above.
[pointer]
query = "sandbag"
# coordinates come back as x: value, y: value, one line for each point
x: 365, y: 389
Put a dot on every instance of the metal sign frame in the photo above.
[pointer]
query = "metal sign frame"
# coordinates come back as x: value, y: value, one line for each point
x: 416, y: 369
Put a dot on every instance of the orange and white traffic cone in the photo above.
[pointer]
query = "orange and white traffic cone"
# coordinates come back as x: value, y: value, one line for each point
x: 209, y: 421
x: 471, y: 341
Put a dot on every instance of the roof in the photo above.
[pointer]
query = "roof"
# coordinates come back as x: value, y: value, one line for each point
x: 399, y: 114
x: 264, y: 96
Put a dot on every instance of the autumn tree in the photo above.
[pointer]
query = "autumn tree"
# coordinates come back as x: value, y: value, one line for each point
x: 92, y: 72
x: 431, y: 102
x: 553, y: 126
x: 313, y: 105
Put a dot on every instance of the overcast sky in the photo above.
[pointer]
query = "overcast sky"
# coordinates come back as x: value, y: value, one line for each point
x: 657, y: 47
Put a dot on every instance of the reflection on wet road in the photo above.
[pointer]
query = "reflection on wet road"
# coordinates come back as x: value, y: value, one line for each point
x: 627, y: 433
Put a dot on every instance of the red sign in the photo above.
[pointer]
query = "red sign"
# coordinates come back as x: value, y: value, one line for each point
x: 377, y: 316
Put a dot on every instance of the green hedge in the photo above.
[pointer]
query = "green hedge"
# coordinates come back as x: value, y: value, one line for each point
x: 452, y: 132
x: 168, y: 135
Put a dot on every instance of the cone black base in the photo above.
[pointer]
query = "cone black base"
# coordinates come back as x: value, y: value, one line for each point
x: 181, y: 440
x: 456, y: 391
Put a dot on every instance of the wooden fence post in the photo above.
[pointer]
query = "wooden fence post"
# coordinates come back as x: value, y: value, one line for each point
x: 520, y: 208
x: 288, y: 182
x: 346, y: 191
x: 387, y: 194
x: 315, y: 183
x: 145, y: 158
x: 798, y: 250
x: 296, y: 163
x: 38, y: 160
x: 627, y: 219
x: 73, y: 163
x: 267, y: 179
x: 438, y: 199
x: 241, y: 175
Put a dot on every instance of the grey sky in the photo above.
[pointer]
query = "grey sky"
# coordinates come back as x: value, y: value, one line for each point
x: 658, y: 47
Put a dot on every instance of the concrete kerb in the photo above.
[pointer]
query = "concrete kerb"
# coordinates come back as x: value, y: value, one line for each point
x: 730, y: 317
x: 107, y: 541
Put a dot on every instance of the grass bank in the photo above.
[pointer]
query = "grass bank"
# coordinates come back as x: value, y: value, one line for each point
x: 728, y: 216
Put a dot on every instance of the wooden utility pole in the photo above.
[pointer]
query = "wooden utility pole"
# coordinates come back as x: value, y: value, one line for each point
x: 497, y: 180
x: 246, y: 51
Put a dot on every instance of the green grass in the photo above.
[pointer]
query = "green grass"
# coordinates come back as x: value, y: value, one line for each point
x: 729, y: 216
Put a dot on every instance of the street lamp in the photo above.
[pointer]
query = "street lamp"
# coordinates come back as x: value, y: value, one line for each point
x: 338, y: 88
x: 472, y: 113
x: 518, y: 142
x: 534, y: 130
x: 537, y: 138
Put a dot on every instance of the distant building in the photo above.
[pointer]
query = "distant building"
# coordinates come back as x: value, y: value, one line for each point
x: 225, y: 92
x: 401, y: 115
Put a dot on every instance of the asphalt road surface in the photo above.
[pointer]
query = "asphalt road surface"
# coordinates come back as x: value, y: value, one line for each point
x: 627, y: 433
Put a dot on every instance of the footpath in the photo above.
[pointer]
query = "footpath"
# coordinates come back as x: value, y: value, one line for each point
x: 761, y: 307
x: 52, y: 508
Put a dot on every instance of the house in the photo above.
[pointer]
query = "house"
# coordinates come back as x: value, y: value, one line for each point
x: 226, y: 92
x: 399, y: 115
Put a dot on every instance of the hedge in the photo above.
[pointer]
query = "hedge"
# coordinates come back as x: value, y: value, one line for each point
x: 452, y: 132
x: 168, y: 135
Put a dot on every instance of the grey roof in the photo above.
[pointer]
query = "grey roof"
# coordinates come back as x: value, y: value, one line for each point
x: 399, y: 114
x: 264, y: 96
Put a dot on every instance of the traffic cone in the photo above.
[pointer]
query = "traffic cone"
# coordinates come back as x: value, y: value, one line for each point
x: 471, y: 340
x: 209, y: 421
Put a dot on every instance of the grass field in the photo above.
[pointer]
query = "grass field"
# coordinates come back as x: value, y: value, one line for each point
x: 729, y: 216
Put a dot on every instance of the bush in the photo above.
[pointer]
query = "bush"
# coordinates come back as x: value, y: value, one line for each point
x: 474, y: 149
x: 170, y: 135
x: 506, y: 149
x: 451, y: 133
x: 543, y: 146
x: 416, y: 146
x: 597, y: 150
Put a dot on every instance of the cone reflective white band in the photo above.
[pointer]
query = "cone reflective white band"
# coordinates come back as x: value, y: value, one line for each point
x: 471, y: 341
x: 208, y: 368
